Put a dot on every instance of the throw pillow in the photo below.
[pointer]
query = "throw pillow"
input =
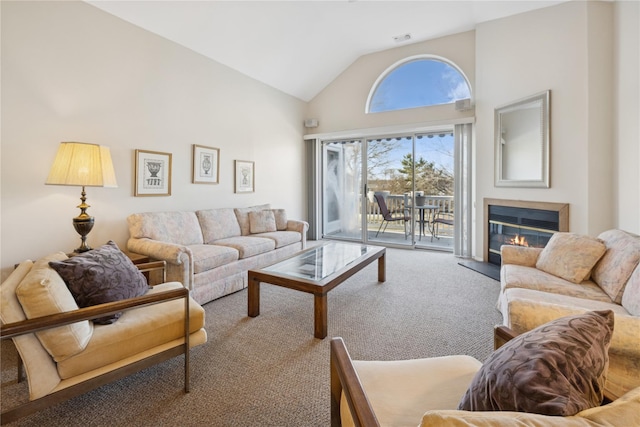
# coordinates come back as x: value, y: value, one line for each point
x: 101, y: 275
x: 262, y: 222
x: 613, y: 270
x: 281, y: 219
x: 570, y: 256
x: 242, y: 214
x: 43, y: 292
x: 558, y: 368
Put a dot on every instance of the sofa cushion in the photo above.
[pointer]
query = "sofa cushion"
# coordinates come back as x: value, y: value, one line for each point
x: 558, y: 368
x: 616, y: 265
x: 400, y: 391
x: 43, y: 292
x: 177, y: 227
x: 570, y: 256
x: 101, y: 275
x: 248, y: 246
x: 208, y: 257
x: 218, y: 224
x: 517, y: 276
x: 624, y: 411
x: 631, y: 296
x: 282, y: 238
x: 137, y: 330
x: 281, y: 219
x: 262, y: 222
x: 242, y: 214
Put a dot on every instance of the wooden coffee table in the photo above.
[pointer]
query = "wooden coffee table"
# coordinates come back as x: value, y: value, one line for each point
x: 316, y: 271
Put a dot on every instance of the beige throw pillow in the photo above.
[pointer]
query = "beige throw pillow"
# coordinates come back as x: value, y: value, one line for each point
x: 570, y: 256
x: 262, y: 222
x: 281, y: 219
x: 43, y: 292
x: 242, y: 214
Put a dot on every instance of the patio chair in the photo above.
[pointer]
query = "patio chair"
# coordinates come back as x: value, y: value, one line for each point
x: 441, y: 218
x: 388, y: 216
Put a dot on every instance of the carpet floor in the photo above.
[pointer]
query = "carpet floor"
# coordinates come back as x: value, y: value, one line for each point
x: 270, y: 370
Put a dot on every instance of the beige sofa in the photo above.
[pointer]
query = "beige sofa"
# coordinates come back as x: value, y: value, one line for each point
x: 210, y: 251
x: 584, y: 280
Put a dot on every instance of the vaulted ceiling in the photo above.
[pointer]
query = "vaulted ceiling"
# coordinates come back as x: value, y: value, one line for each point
x: 299, y: 47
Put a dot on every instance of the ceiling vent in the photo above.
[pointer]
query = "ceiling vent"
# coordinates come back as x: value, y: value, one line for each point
x: 402, y: 38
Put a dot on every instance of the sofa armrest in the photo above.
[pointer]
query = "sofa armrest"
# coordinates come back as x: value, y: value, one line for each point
x: 519, y: 255
x: 170, y: 252
x: 178, y: 257
x: 301, y: 227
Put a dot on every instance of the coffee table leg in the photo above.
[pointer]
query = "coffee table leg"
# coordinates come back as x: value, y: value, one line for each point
x: 320, y: 316
x: 382, y: 270
x: 253, y: 297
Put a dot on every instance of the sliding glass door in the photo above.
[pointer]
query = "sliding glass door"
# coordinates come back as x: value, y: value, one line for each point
x: 389, y: 212
x: 395, y: 190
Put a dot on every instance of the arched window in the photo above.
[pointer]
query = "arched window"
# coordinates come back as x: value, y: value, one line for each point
x: 418, y: 82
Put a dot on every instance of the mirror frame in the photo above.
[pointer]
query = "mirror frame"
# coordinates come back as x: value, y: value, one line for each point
x: 541, y: 101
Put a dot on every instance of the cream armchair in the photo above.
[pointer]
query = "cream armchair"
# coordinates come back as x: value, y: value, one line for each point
x: 451, y: 390
x: 65, y: 354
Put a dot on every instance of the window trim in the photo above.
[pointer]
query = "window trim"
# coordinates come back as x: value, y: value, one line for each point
x: 398, y: 64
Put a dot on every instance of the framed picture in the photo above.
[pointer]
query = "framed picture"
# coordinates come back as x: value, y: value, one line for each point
x: 206, y: 165
x: 245, y: 176
x: 153, y: 173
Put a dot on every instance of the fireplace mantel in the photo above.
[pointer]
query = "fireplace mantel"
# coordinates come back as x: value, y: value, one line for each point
x: 561, y: 208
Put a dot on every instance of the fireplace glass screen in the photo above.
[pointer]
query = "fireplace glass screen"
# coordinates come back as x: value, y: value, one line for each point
x: 519, y: 226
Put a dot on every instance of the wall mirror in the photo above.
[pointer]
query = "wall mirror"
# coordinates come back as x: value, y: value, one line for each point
x: 522, y: 142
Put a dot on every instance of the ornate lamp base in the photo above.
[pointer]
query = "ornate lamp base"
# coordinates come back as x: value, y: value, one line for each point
x: 83, y: 226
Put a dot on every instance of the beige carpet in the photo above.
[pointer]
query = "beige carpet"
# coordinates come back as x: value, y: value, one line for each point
x: 271, y: 371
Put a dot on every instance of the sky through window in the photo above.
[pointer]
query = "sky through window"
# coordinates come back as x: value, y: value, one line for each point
x: 419, y: 83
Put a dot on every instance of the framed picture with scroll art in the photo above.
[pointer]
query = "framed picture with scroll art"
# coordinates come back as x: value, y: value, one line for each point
x: 245, y: 176
x: 206, y: 165
x: 153, y: 173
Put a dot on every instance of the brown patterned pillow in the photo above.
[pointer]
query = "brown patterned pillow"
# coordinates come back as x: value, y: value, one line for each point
x: 558, y: 368
x: 570, y: 256
x: 101, y: 275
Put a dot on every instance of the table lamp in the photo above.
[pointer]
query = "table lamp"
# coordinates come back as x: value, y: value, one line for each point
x: 86, y: 165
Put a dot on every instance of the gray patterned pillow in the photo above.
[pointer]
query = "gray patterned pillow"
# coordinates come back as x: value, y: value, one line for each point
x: 558, y: 368
x: 101, y: 275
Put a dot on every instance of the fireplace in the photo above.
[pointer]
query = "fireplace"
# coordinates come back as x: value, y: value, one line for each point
x: 517, y: 222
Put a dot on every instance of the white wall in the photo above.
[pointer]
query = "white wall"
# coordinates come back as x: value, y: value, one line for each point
x: 627, y: 109
x: 71, y: 72
x: 341, y: 105
x: 553, y: 48
x: 568, y: 49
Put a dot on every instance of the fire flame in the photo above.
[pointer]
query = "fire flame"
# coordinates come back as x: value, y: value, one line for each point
x: 519, y: 241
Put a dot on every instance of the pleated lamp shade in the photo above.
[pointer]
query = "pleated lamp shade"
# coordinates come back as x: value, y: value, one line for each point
x: 80, y: 163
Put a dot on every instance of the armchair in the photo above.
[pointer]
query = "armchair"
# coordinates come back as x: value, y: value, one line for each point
x: 108, y: 351
x: 428, y: 392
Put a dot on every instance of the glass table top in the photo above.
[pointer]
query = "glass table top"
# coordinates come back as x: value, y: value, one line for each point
x: 321, y: 261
